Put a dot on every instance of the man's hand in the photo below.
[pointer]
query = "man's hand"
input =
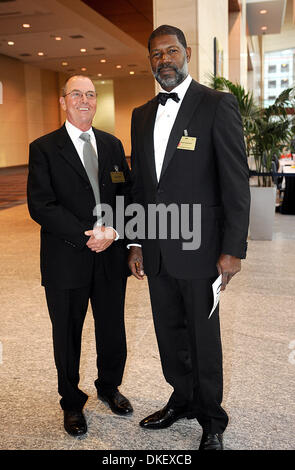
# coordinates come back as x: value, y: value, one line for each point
x: 100, y: 238
x: 135, y: 262
x: 228, y: 266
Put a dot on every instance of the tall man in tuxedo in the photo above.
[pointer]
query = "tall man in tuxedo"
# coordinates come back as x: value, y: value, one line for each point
x: 71, y: 171
x: 207, y: 167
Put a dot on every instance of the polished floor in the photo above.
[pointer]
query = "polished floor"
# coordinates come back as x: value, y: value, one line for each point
x: 258, y: 330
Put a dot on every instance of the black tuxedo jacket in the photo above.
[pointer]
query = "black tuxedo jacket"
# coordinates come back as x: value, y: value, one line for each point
x: 61, y: 200
x: 214, y: 175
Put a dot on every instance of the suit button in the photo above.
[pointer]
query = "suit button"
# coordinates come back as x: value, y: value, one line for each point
x: 160, y: 191
x: 87, y: 186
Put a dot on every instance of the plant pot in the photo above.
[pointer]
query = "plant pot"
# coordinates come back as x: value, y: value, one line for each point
x: 262, y: 212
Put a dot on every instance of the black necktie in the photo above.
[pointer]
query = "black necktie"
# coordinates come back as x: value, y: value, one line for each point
x: 163, y: 97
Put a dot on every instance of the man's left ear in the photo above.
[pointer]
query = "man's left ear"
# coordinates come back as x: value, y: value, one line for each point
x: 62, y: 103
x: 188, y: 51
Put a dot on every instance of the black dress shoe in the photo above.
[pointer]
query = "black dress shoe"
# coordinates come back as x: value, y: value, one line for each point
x: 118, y: 403
x: 75, y: 423
x: 163, y: 418
x: 211, y: 442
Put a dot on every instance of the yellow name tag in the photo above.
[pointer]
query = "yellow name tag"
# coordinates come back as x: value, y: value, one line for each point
x: 187, y: 143
x: 117, y: 177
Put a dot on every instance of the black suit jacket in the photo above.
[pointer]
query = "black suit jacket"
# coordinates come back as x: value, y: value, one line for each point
x: 214, y: 175
x: 61, y: 200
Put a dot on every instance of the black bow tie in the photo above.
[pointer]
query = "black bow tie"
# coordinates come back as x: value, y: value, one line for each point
x: 163, y: 97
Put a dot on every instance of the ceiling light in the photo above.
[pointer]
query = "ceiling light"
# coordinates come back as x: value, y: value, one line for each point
x: 26, y: 25
x: 58, y: 38
x: 103, y: 61
x: 131, y: 72
x: 118, y: 66
x: 263, y: 28
x: 41, y: 53
x: 102, y: 83
x: 83, y: 50
x: 83, y: 69
x: 10, y: 43
x: 99, y: 74
x: 263, y: 12
x: 64, y: 64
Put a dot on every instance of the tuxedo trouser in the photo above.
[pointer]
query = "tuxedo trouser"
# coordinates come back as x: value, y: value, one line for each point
x: 190, y: 346
x: 67, y: 310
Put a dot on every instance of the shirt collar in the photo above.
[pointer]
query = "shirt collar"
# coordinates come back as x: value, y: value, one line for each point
x: 181, y: 89
x: 74, y: 132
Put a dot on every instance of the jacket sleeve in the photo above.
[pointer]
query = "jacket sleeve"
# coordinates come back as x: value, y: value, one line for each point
x: 43, y: 206
x: 233, y: 173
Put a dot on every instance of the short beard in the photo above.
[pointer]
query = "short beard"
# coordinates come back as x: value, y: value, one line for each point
x: 180, y: 75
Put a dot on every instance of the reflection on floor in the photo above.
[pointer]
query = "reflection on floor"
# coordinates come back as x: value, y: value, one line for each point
x: 258, y: 329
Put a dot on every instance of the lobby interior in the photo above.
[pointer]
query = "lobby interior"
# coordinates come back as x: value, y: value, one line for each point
x: 41, y: 44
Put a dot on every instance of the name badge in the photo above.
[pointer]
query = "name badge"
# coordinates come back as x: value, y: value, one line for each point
x: 117, y: 177
x: 187, y: 143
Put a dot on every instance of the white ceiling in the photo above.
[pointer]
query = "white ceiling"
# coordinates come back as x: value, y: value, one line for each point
x: 66, y: 18
x: 273, y: 19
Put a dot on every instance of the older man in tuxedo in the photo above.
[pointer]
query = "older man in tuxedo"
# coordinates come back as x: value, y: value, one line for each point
x: 187, y: 150
x: 72, y: 171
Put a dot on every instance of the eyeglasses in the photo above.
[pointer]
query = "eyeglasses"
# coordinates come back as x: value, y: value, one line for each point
x: 76, y: 94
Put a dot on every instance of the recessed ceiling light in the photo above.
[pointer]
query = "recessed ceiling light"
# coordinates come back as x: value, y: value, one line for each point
x: 26, y: 25
x: 10, y: 43
x: 99, y: 74
x: 82, y: 50
x: 103, y: 61
x: 263, y: 28
x: 41, y: 53
x: 64, y: 64
x: 118, y: 66
x: 131, y: 72
x: 102, y: 83
x: 58, y: 38
x: 263, y: 12
x: 83, y: 69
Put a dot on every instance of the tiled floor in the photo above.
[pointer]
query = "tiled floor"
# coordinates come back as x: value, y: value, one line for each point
x: 258, y: 330
x: 13, y: 183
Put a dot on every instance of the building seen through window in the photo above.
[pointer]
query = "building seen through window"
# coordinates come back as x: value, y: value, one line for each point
x: 279, y: 73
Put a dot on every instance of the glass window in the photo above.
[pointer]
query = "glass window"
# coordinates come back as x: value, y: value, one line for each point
x: 272, y: 83
x: 284, y: 67
x: 284, y: 83
x: 272, y: 69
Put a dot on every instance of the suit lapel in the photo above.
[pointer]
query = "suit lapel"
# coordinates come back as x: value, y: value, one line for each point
x: 149, y: 125
x: 69, y: 153
x: 102, y: 153
x: 190, y: 102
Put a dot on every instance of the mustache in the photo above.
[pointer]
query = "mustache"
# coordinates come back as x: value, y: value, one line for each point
x: 166, y: 66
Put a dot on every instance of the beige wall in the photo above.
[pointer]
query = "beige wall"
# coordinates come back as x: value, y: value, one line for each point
x: 130, y: 93
x: 211, y: 22
x: 105, y: 114
x: 13, y: 113
x: 238, y: 46
x: 29, y: 108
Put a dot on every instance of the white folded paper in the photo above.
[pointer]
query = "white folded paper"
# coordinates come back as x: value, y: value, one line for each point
x: 216, y: 286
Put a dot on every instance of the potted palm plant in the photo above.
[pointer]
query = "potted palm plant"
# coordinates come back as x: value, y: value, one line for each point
x: 267, y: 132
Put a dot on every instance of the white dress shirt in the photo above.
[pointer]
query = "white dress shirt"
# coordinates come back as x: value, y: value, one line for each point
x: 165, y: 119
x: 75, y: 133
